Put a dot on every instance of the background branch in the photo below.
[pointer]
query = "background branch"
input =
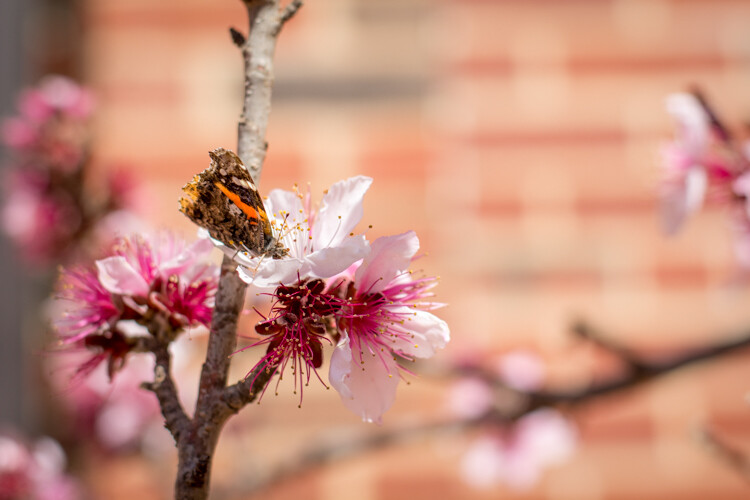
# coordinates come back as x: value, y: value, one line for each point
x: 735, y: 458
x: 330, y: 450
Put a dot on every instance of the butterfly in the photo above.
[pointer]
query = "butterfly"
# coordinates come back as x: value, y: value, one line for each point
x: 224, y: 200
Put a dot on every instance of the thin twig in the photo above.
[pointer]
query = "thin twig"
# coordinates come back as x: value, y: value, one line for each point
x: 288, y: 12
x: 176, y: 420
x: 713, y: 117
x: 247, y: 390
x: 587, y: 332
x: 735, y: 458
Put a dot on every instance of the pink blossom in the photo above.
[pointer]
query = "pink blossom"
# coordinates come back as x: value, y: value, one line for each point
x: 50, y: 130
x: 521, y: 370
x: 470, y: 397
x: 517, y: 456
x: 702, y: 162
x: 386, y: 317
x: 18, y: 134
x: 320, y: 239
x: 295, y: 331
x: 684, y: 160
x: 164, y: 273
x: 56, y: 94
x: 34, y: 473
x: 141, y: 278
x: 38, y: 221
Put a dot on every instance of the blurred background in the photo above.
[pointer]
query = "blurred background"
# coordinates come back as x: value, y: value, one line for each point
x: 519, y: 138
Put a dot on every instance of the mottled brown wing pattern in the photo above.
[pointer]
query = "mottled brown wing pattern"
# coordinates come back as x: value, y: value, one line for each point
x: 224, y: 200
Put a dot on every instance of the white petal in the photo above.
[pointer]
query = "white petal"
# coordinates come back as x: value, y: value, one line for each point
x: 696, y: 183
x: 288, y: 201
x: 267, y: 272
x: 427, y: 332
x: 118, y: 276
x: 340, y: 211
x: 692, y: 122
x: 682, y: 198
x: 366, y: 387
x: 389, y: 256
x: 331, y: 261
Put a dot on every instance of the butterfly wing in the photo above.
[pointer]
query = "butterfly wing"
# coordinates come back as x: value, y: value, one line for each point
x: 224, y: 200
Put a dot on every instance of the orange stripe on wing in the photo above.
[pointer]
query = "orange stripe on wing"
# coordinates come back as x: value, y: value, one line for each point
x: 251, y: 213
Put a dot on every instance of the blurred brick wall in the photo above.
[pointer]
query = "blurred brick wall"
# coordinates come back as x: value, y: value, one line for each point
x: 519, y: 138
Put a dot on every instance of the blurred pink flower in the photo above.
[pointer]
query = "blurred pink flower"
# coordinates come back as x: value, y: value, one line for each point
x: 56, y: 94
x: 469, y: 398
x: 473, y: 396
x: 50, y: 208
x: 521, y: 370
x: 701, y: 162
x: 518, y: 455
x: 142, y: 277
x: 685, y: 175
x: 385, y: 317
x: 51, y: 126
x: 18, y: 134
x: 34, y: 473
x: 320, y: 239
x: 39, y: 222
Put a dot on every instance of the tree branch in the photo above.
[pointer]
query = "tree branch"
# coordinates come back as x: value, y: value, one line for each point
x: 176, y: 420
x: 196, y: 446
x: 247, y: 390
x: 257, y: 54
x: 331, y: 450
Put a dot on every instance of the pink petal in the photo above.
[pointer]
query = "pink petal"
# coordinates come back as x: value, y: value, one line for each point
x: 118, y: 276
x: 389, y: 256
x: 742, y: 184
x: 340, y: 211
x: 17, y: 133
x: 187, y: 258
x: 428, y: 333
x: 469, y: 398
x: 367, y: 388
x: 521, y: 370
x: 547, y: 436
x: 482, y: 465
